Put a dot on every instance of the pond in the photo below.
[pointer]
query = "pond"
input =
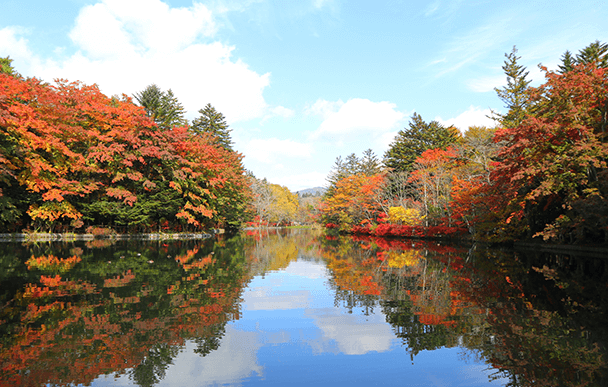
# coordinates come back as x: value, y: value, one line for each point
x: 297, y: 307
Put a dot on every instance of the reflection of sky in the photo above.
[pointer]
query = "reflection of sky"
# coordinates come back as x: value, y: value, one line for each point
x: 291, y: 333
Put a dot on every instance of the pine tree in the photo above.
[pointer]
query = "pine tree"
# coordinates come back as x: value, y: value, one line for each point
x: 412, y: 142
x: 212, y: 121
x: 163, y: 107
x: 515, y: 94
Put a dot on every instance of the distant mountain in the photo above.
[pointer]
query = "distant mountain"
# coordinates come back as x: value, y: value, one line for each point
x: 316, y: 191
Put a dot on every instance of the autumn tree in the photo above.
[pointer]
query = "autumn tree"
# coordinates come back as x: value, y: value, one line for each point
x: 432, y: 176
x: 552, y: 171
x: 368, y: 165
x: 284, y: 205
x: 214, y: 122
x: 71, y: 156
x: 353, y: 200
x: 413, y: 141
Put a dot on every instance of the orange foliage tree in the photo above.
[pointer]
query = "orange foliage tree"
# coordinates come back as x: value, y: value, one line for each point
x: 69, y: 155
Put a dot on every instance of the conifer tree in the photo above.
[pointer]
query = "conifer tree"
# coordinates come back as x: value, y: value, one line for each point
x: 6, y: 67
x: 212, y: 121
x: 412, y: 142
x: 596, y: 53
x: 163, y: 107
x: 515, y: 94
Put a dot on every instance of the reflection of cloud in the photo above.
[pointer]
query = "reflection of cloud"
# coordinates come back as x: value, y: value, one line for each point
x: 265, y: 298
x: 235, y: 359
x: 307, y: 269
x: 353, y: 334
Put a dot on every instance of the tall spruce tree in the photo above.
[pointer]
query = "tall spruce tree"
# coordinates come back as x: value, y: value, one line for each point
x: 412, y: 142
x: 212, y: 121
x: 596, y: 53
x: 515, y: 94
x: 162, y: 106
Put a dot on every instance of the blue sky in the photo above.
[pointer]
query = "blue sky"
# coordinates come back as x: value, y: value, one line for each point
x: 301, y: 82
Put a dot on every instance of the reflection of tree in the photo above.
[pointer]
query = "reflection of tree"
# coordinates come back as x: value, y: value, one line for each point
x: 130, y: 305
x: 206, y: 344
x: 154, y: 366
x: 547, y: 316
x: 275, y: 249
x: 537, y: 319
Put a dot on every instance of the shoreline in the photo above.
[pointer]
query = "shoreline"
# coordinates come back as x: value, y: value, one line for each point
x: 69, y: 237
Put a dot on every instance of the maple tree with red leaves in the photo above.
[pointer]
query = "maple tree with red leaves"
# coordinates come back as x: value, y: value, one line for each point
x: 71, y: 156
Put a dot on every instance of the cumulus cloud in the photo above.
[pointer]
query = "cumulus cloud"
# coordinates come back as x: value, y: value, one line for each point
x: 357, y: 115
x: 271, y: 149
x: 474, y: 116
x: 124, y: 46
x: 15, y: 45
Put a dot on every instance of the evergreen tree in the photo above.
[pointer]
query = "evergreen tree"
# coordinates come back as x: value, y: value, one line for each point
x: 369, y: 163
x: 163, y: 107
x: 596, y: 53
x: 6, y: 67
x: 412, y: 142
x: 568, y: 62
x: 212, y: 121
x: 515, y: 94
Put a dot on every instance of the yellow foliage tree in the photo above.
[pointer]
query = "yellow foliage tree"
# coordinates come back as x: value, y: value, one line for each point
x: 406, y: 216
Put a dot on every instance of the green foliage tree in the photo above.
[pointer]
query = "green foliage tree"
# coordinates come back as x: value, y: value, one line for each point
x: 515, y: 94
x: 596, y: 53
x: 214, y: 122
x: 162, y: 106
x: 412, y: 142
x: 6, y: 67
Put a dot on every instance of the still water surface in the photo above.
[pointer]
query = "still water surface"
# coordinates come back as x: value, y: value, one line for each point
x: 298, y: 308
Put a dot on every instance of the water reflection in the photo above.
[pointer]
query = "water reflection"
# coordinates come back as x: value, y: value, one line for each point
x: 293, y: 307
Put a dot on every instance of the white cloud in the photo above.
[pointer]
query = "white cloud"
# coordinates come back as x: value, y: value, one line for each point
x: 324, y: 108
x: 124, y: 46
x: 268, y: 150
x: 14, y: 46
x: 278, y: 111
x: 474, y: 116
x: 357, y: 115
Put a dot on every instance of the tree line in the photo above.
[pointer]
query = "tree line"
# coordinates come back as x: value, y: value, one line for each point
x: 540, y: 173
x: 72, y: 158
